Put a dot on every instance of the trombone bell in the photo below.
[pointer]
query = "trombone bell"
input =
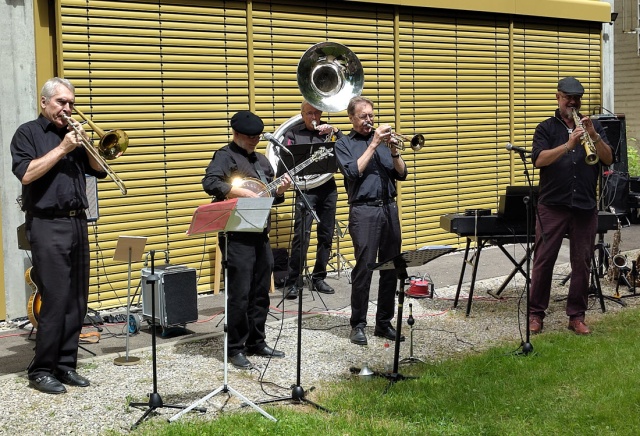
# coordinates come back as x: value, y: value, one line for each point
x: 112, y: 144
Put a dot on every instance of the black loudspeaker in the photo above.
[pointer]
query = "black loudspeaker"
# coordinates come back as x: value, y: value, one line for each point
x: 615, y: 126
x: 176, y: 295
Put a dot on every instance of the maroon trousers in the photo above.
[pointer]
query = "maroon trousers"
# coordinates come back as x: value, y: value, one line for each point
x: 553, y: 223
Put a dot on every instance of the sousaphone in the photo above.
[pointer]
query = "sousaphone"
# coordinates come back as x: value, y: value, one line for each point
x: 329, y: 76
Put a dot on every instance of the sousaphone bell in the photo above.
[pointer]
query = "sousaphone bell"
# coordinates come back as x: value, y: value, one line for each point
x: 329, y: 75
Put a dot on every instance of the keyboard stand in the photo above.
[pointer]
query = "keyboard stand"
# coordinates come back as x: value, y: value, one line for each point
x: 481, y: 242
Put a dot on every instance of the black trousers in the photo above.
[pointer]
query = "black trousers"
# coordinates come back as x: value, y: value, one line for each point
x: 375, y: 232
x: 60, y: 251
x: 249, y: 268
x: 323, y: 200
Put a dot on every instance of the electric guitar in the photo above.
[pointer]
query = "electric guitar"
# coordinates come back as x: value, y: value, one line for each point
x: 264, y: 190
x: 34, y: 303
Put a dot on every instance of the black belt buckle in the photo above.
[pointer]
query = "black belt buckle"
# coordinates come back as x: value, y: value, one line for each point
x: 377, y: 203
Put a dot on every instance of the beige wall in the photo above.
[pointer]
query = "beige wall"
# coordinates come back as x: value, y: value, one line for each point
x: 627, y: 66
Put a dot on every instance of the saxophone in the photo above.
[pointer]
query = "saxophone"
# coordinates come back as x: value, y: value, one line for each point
x: 616, y: 260
x: 586, y: 141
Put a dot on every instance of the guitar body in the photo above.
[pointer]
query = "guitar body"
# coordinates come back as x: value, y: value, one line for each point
x: 34, y: 303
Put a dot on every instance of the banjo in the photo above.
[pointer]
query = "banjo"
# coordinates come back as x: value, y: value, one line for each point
x: 264, y: 190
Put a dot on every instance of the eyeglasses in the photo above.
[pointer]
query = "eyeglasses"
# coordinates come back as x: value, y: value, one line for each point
x: 312, y: 113
x: 571, y: 97
x: 365, y: 116
x: 252, y: 136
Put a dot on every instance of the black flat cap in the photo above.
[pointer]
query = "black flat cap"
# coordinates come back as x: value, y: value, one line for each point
x: 570, y: 86
x: 247, y: 123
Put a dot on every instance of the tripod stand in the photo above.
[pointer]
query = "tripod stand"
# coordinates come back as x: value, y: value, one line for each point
x: 597, y: 264
x: 240, y: 215
x: 400, y: 263
x: 155, y: 400
x: 341, y: 261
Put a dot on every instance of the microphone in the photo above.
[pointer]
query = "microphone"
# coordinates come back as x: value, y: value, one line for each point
x: 512, y: 147
x: 272, y: 139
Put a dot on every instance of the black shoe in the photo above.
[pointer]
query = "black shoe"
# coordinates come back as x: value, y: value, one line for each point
x: 72, y: 378
x: 240, y: 361
x: 357, y: 336
x: 387, y: 332
x: 292, y: 293
x: 322, y: 287
x: 48, y: 384
x: 267, y: 351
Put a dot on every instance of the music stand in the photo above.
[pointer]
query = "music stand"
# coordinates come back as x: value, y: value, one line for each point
x: 237, y: 215
x: 400, y: 263
x: 128, y: 248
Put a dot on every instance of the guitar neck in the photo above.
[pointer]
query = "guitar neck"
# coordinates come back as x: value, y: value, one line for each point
x: 275, y: 183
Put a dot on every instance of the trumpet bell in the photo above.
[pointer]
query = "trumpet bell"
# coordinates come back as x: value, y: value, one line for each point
x: 417, y: 142
x: 329, y: 75
x: 113, y: 144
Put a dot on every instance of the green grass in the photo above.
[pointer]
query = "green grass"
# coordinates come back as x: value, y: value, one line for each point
x: 568, y: 385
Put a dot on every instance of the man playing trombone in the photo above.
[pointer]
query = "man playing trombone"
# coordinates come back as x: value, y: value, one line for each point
x: 322, y: 199
x: 50, y: 162
x: 370, y: 174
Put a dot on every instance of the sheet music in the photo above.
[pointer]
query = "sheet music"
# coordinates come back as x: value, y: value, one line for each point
x: 251, y: 215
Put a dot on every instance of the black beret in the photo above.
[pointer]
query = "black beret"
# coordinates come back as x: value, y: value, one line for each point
x: 570, y: 86
x: 247, y: 123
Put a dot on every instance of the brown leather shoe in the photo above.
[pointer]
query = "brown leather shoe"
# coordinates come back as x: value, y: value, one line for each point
x: 579, y: 327
x: 535, y: 324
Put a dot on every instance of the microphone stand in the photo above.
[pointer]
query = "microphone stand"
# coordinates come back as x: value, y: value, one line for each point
x: 530, y: 206
x: 297, y: 391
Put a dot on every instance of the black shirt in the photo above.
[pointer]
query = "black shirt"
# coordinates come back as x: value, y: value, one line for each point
x: 233, y: 161
x: 63, y: 187
x: 377, y: 182
x: 299, y: 134
x: 569, y: 181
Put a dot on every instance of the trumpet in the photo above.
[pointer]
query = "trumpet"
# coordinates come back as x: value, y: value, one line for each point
x: 417, y: 141
x: 111, y: 146
x: 586, y: 141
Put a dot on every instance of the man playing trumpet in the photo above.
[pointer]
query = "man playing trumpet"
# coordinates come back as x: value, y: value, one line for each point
x: 370, y: 173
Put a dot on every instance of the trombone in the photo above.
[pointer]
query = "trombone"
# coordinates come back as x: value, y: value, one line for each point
x: 111, y: 146
x: 417, y: 141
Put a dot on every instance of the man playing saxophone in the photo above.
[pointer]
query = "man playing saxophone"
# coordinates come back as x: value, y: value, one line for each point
x: 567, y: 202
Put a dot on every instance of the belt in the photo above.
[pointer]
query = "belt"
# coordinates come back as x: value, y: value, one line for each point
x: 375, y: 203
x: 48, y: 214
